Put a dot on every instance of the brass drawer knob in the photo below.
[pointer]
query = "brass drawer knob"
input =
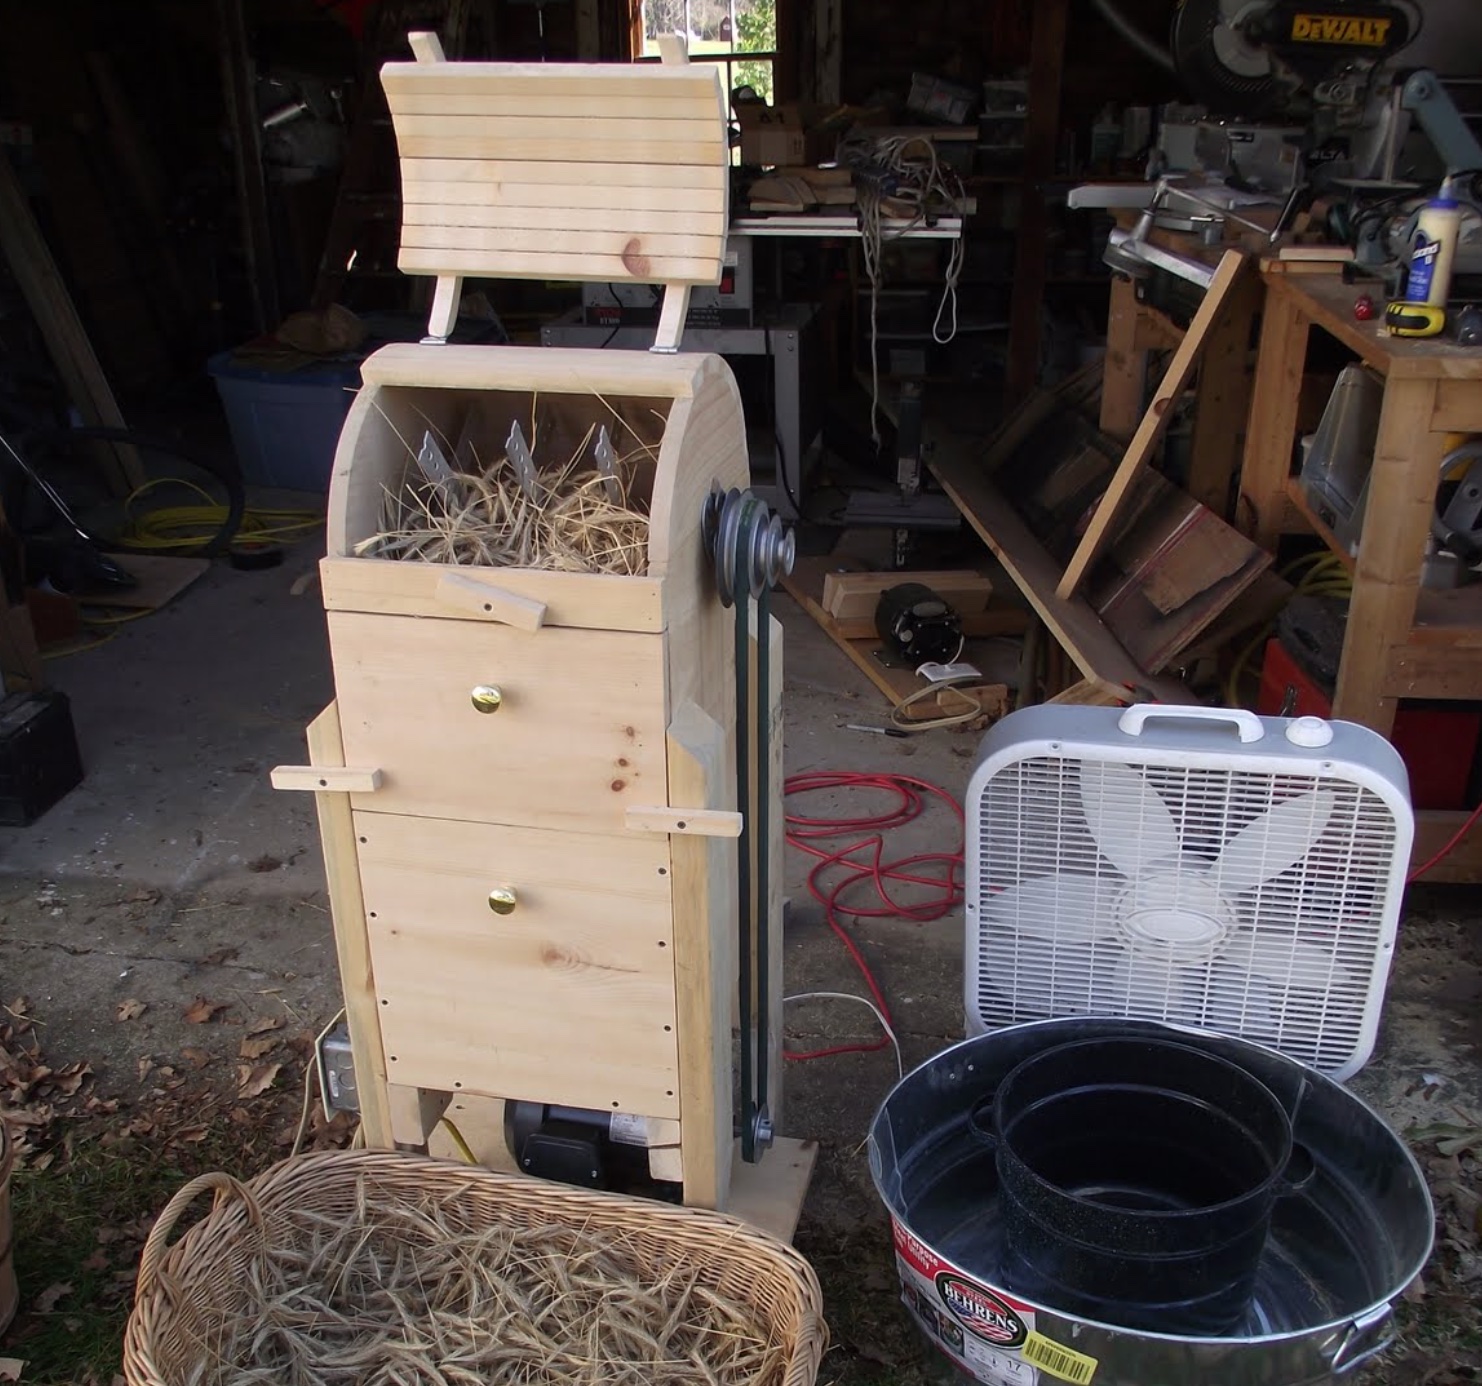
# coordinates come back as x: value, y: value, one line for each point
x: 502, y: 899
x: 486, y: 698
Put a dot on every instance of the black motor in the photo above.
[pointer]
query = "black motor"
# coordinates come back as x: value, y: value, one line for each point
x: 917, y: 626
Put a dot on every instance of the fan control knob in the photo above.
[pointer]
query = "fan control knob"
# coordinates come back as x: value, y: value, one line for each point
x: 1311, y: 732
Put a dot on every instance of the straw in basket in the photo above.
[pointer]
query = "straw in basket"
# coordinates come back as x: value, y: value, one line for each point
x: 380, y: 1267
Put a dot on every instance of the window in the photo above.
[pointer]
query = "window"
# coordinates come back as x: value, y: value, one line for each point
x: 742, y: 34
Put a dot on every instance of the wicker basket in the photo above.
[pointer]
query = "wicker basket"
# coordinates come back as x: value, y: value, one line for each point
x: 182, y: 1287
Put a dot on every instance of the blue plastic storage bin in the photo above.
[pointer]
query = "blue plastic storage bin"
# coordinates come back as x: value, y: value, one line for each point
x: 285, y: 424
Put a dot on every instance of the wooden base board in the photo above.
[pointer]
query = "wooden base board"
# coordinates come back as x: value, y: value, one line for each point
x: 896, y: 682
x: 161, y: 579
x: 770, y: 1194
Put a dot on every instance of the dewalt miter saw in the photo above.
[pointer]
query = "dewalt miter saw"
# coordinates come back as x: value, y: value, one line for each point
x: 1302, y: 100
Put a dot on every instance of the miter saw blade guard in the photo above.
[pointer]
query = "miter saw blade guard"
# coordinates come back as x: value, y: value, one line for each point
x: 1254, y: 58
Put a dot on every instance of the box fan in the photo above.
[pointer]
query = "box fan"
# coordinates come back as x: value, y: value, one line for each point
x: 1199, y: 866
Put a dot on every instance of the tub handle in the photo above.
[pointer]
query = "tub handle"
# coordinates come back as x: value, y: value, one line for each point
x: 1367, y: 1336
x: 1300, y: 1171
x: 983, y: 1123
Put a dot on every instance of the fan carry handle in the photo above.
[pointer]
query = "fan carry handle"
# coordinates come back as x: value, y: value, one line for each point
x: 1247, y: 723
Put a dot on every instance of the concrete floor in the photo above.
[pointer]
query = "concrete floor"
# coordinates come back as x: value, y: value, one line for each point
x: 175, y: 871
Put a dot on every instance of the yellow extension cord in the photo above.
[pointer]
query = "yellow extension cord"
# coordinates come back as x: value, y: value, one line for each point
x: 1327, y: 576
x: 186, y: 527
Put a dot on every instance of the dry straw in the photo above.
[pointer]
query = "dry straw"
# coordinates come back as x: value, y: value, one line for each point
x: 572, y: 527
x: 383, y: 1269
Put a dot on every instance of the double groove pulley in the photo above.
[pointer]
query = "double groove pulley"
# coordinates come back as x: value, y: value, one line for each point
x: 737, y: 524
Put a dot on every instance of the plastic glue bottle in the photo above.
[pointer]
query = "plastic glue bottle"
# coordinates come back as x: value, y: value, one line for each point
x: 1431, y: 252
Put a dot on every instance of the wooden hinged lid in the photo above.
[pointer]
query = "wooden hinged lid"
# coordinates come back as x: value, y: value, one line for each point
x: 575, y: 171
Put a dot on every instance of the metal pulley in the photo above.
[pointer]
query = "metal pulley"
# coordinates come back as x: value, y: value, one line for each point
x: 750, y: 552
x: 747, y: 543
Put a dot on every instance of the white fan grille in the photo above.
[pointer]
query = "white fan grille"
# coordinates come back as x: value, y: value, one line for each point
x: 1300, y: 957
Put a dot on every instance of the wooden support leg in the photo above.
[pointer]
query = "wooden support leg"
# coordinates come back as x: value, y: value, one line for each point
x: 352, y: 943
x: 415, y: 1113
x: 1386, y: 583
x: 703, y: 870
x: 1223, y: 399
x: 1272, y: 428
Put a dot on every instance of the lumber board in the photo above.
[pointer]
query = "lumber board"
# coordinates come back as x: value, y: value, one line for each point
x: 635, y: 250
x: 708, y: 224
x: 536, y: 103
x: 577, y: 200
x: 570, y: 267
x: 770, y: 1194
x: 415, y: 1113
x: 431, y: 138
x: 1094, y: 650
x: 66, y: 339
x: 616, y: 138
x: 704, y: 881
x: 391, y: 587
x: 351, y: 941
x: 1155, y: 421
x: 575, y: 371
x: 660, y: 181
x: 645, y: 81
x: 475, y: 1001
x: 854, y: 596
x: 579, y: 737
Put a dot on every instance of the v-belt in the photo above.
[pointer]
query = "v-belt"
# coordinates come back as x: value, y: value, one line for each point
x: 750, y: 552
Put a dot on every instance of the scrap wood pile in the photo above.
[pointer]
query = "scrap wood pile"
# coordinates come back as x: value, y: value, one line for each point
x: 527, y: 493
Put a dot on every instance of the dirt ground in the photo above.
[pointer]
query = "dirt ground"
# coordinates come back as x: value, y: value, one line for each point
x: 172, y: 911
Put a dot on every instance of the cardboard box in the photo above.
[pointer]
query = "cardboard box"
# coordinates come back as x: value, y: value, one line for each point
x: 772, y: 136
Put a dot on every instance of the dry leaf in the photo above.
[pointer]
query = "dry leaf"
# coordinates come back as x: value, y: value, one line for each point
x: 256, y: 1048
x: 219, y: 956
x: 46, y: 1301
x: 256, y: 1079
x: 191, y: 1134
x: 97, y: 1261
x: 130, y: 1009
x: 145, y: 1064
x: 11, y: 1368
x: 196, y: 1058
x: 264, y: 1023
x: 201, y: 1010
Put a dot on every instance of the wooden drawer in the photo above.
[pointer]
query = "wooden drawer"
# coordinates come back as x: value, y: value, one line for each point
x: 568, y: 998
x: 578, y: 737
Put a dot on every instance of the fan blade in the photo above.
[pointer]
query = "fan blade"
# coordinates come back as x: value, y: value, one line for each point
x: 1286, y: 962
x: 1129, y: 821
x: 1240, y: 1001
x: 1278, y: 839
x: 1059, y: 909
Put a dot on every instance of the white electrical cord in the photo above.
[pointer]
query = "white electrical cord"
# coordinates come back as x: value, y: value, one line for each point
x: 900, y: 1071
x: 874, y: 160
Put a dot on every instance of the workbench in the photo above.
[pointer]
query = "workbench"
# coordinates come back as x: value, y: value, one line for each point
x: 1403, y: 640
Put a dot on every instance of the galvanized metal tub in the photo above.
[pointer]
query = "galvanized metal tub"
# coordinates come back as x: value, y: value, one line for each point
x: 1339, y: 1254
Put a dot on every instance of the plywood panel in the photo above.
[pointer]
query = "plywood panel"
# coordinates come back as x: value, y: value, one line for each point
x: 624, y: 140
x: 568, y: 999
x: 532, y: 101
x: 552, y: 79
x: 579, y: 737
